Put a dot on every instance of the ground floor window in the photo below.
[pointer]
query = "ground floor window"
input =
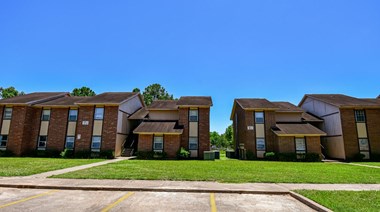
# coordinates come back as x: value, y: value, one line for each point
x: 96, y: 143
x: 193, y: 143
x: 158, y: 143
x: 70, y: 142
x: 364, y: 147
x: 42, y: 140
x: 3, y: 141
x: 260, y: 144
x: 300, y: 145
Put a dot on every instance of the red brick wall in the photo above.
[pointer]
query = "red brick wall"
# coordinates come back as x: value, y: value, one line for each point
x: 373, y: 129
x: 286, y: 144
x: 171, y: 145
x: 270, y: 137
x: 145, y: 143
x: 1, y: 115
x: 16, y: 131
x: 250, y: 135
x: 184, y: 121
x: 32, y: 128
x: 85, y: 113
x: 109, y: 128
x: 57, y: 129
x: 350, y: 136
x: 204, y: 130
x: 313, y: 144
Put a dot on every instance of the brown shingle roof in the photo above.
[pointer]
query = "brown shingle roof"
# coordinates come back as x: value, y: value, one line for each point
x: 157, y: 127
x: 341, y: 100
x: 297, y: 129
x: 163, y: 105
x: 195, y: 101
x: 287, y: 107
x: 256, y: 104
x: 140, y: 114
x: 63, y: 101
x: 108, y: 98
x: 307, y: 117
x: 33, y: 98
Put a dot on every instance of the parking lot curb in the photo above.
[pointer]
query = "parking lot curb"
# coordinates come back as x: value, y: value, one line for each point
x: 309, y: 202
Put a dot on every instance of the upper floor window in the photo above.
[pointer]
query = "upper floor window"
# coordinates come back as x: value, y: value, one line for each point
x: 45, y: 115
x: 8, y: 113
x: 359, y: 116
x: 259, y: 117
x: 73, y: 115
x: 99, y: 113
x: 300, y: 145
x: 193, y: 115
x: 158, y: 143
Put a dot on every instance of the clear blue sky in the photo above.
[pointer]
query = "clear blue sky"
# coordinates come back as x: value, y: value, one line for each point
x: 278, y: 50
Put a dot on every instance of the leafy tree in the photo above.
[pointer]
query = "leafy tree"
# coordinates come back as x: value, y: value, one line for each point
x: 224, y: 140
x: 9, y: 92
x: 136, y: 90
x: 155, y: 92
x: 229, y: 133
x: 214, y: 138
x: 83, y: 91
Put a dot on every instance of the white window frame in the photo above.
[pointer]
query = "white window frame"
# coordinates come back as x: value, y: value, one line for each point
x: 261, y: 119
x: 75, y: 111
x: 45, y: 113
x: 257, y: 144
x: 299, y: 149
x: 193, y: 141
x: 193, y: 115
x: 39, y: 147
x: 71, y: 141
x: 2, y: 140
x: 360, y: 116
x: 366, y: 147
x: 95, y: 140
x: 158, y: 140
x: 8, y: 113
x: 99, y: 115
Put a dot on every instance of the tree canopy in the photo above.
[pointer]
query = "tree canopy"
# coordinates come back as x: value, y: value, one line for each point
x: 83, y: 91
x: 223, y: 140
x: 9, y: 92
x: 154, y: 92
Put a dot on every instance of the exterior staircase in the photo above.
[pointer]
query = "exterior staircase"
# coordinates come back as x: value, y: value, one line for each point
x: 130, y: 146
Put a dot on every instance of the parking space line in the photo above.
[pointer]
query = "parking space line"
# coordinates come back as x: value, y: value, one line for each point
x: 28, y: 198
x: 109, y: 207
x: 212, y: 202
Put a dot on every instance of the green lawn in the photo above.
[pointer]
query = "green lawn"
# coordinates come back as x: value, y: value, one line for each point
x: 369, y: 163
x: 345, y: 200
x: 28, y: 166
x: 234, y: 171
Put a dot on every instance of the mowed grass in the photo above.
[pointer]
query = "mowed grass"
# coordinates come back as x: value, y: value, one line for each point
x: 234, y: 171
x: 29, y: 166
x: 345, y: 200
x: 369, y: 163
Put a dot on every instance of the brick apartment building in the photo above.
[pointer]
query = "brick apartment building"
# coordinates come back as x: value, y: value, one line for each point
x: 352, y: 124
x: 56, y: 120
x: 169, y: 125
x: 262, y: 126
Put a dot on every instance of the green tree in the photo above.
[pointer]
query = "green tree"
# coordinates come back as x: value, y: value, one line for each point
x: 9, y: 92
x: 136, y: 90
x: 155, y: 92
x: 214, y: 138
x: 229, y: 135
x: 83, y: 91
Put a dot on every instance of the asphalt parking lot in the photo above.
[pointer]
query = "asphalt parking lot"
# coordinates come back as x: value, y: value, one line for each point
x: 12, y: 199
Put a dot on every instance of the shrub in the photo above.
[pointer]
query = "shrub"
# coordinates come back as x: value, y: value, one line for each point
x: 107, y: 154
x: 44, y: 153
x: 312, y: 157
x: 250, y: 155
x: 375, y: 157
x: 287, y: 156
x: 82, y: 154
x: 358, y: 157
x: 150, y: 155
x: 67, y: 153
x: 183, y: 153
x: 6, y: 153
x: 270, y: 156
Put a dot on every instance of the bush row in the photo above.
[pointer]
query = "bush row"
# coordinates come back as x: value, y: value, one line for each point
x: 108, y: 154
x: 271, y: 156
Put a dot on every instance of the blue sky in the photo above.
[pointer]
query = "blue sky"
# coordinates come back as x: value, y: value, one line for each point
x: 277, y: 50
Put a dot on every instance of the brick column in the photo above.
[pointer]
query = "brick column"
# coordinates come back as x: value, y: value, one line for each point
x: 184, y: 121
x: 172, y: 145
x: 85, y: 113
x: 57, y: 129
x: 204, y: 130
x: 145, y: 143
x: 109, y: 128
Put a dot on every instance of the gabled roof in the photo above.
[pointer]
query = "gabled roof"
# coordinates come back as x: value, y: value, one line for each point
x: 158, y: 128
x: 108, y: 98
x: 307, y: 117
x: 297, y: 130
x: 287, y: 107
x: 139, y: 115
x: 196, y: 101
x: 341, y: 101
x: 33, y: 98
x: 66, y: 101
x: 163, y: 105
x: 252, y: 104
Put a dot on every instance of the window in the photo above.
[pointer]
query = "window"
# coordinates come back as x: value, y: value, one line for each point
x: 193, y: 143
x: 8, y: 113
x: 193, y: 115
x: 158, y: 143
x: 42, y: 142
x: 363, y: 144
x: 45, y: 115
x: 73, y: 115
x: 300, y: 146
x: 99, y: 112
x: 95, y: 144
x: 259, y: 117
x: 359, y: 116
x: 70, y: 142
x: 3, y: 141
x: 260, y: 144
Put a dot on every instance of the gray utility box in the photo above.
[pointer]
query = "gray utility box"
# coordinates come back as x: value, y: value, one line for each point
x: 208, y: 155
